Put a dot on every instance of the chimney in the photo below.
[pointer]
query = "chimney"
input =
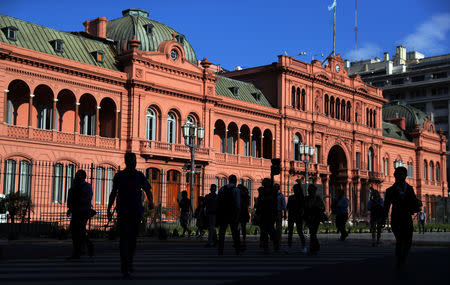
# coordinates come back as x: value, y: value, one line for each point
x: 96, y: 27
x: 386, y: 56
x: 400, y: 55
x: 400, y: 122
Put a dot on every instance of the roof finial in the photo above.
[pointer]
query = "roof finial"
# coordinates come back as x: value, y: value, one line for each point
x: 174, y: 36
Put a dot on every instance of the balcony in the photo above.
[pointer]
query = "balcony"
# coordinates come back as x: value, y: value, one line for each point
x: 172, y: 150
x: 376, y: 176
x: 226, y: 158
x: 51, y: 136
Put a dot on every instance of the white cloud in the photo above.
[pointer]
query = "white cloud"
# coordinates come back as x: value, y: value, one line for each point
x: 429, y: 36
x: 366, y: 51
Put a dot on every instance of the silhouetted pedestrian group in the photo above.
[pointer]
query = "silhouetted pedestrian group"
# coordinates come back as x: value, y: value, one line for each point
x: 230, y: 207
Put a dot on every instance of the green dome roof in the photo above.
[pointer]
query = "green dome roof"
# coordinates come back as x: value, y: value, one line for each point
x: 412, y: 115
x: 150, y: 33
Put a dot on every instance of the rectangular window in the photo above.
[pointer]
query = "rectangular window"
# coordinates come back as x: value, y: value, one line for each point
x: 70, y: 175
x: 230, y: 144
x: 358, y: 160
x: 317, y: 154
x: 440, y: 75
x: 9, y: 112
x: 246, y: 148
x: 397, y: 81
x: 410, y: 171
x: 58, y: 178
x: 25, y: 177
x: 99, y: 186
x: 10, y: 177
x: 418, y: 78
x: 109, y: 181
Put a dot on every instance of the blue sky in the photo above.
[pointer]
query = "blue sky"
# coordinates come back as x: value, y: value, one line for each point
x: 252, y: 33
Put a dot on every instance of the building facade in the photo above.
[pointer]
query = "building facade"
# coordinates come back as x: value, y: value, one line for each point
x: 129, y: 84
x: 413, y: 79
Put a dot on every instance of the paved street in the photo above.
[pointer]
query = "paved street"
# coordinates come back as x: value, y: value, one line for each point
x: 188, y: 262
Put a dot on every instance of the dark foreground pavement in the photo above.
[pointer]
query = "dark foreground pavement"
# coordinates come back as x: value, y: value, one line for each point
x: 188, y: 262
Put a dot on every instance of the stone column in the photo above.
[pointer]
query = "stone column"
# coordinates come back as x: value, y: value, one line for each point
x: 261, y: 147
x: 5, y: 110
x: 54, y: 112
x: 97, y: 121
x: 116, y: 135
x: 75, y: 124
x: 273, y: 148
x: 30, y: 111
x: 238, y: 143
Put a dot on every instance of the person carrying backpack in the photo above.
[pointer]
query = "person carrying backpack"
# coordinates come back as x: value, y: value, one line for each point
x: 375, y: 207
x: 79, y: 204
x: 404, y: 203
x: 228, y: 209
x: 340, y: 208
x: 267, y: 211
x: 295, y: 208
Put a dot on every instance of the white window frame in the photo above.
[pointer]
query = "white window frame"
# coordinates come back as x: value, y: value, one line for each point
x: 150, y: 133
x: 58, y: 179
x: 10, y: 176
x: 99, y: 185
x: 171, y: 128
x: 25, y: 177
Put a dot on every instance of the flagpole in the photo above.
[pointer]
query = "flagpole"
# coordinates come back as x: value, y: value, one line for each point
x: 334, y: 32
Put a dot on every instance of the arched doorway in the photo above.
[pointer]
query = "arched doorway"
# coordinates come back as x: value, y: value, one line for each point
x: 154, y: 178
x: 337, y: 161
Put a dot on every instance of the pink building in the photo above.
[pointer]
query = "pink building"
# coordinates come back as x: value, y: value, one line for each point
x: 129, y: 84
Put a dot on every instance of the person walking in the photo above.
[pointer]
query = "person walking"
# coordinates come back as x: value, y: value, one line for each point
x: 296, y: 208
x: 281, y: 208
x: 228, y: 209
x: 267, y: 211
x: 375, y: 207
x: 79, y: 206
x: 127, y: 187
x: 185, y: 212
x: 211, y: 210
x: 340, y: 208
x: 200, y: 216
x: 421, y: 219
x: 404, y: 204
x: 314, y: 208
x: 244, y: 215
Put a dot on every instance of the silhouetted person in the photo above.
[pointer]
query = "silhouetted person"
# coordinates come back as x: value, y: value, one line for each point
x: 211, y: 210
x: 228, y: 210
x: 314, y: 208
x: 127, y: 187
x: 296, y: 209
x: 375, y: 207
x: 281, y: 209
x: 421, y: 219
x: 340, y: 207
x: 401, y: 196
x: 79, y: 204
x: 185, y: 212
x: 200, y: 215
x: 244, y: 216
x: 267, y: 211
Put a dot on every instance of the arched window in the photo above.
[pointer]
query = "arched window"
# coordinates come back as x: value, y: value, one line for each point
x: 370, y: 118
x: 338, y: 108
x: 370, y: 160
x: 438, y: 172
x: 332, y: 107
x: 431, y: 171
x: 303, y: 100
x: 297, y: 99
x: 349, y: 107
x: 326, y: 104
x: 297, y: 142
x: 9, y: 111
x: 150, y: 132
x: 171, y: 128
x: 425, y: 170
x: 25, y: 177
x: 293, y: 97
x: 343, y: 110
x: 190, y: 121
x: 367, y: 117
x: 10, y: 176
x: 386, y: 165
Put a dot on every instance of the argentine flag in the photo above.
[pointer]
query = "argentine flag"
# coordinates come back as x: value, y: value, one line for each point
x: 332, y: 6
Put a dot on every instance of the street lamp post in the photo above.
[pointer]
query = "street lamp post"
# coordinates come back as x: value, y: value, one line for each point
x: 307, y: 151
x: 190, y: 133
